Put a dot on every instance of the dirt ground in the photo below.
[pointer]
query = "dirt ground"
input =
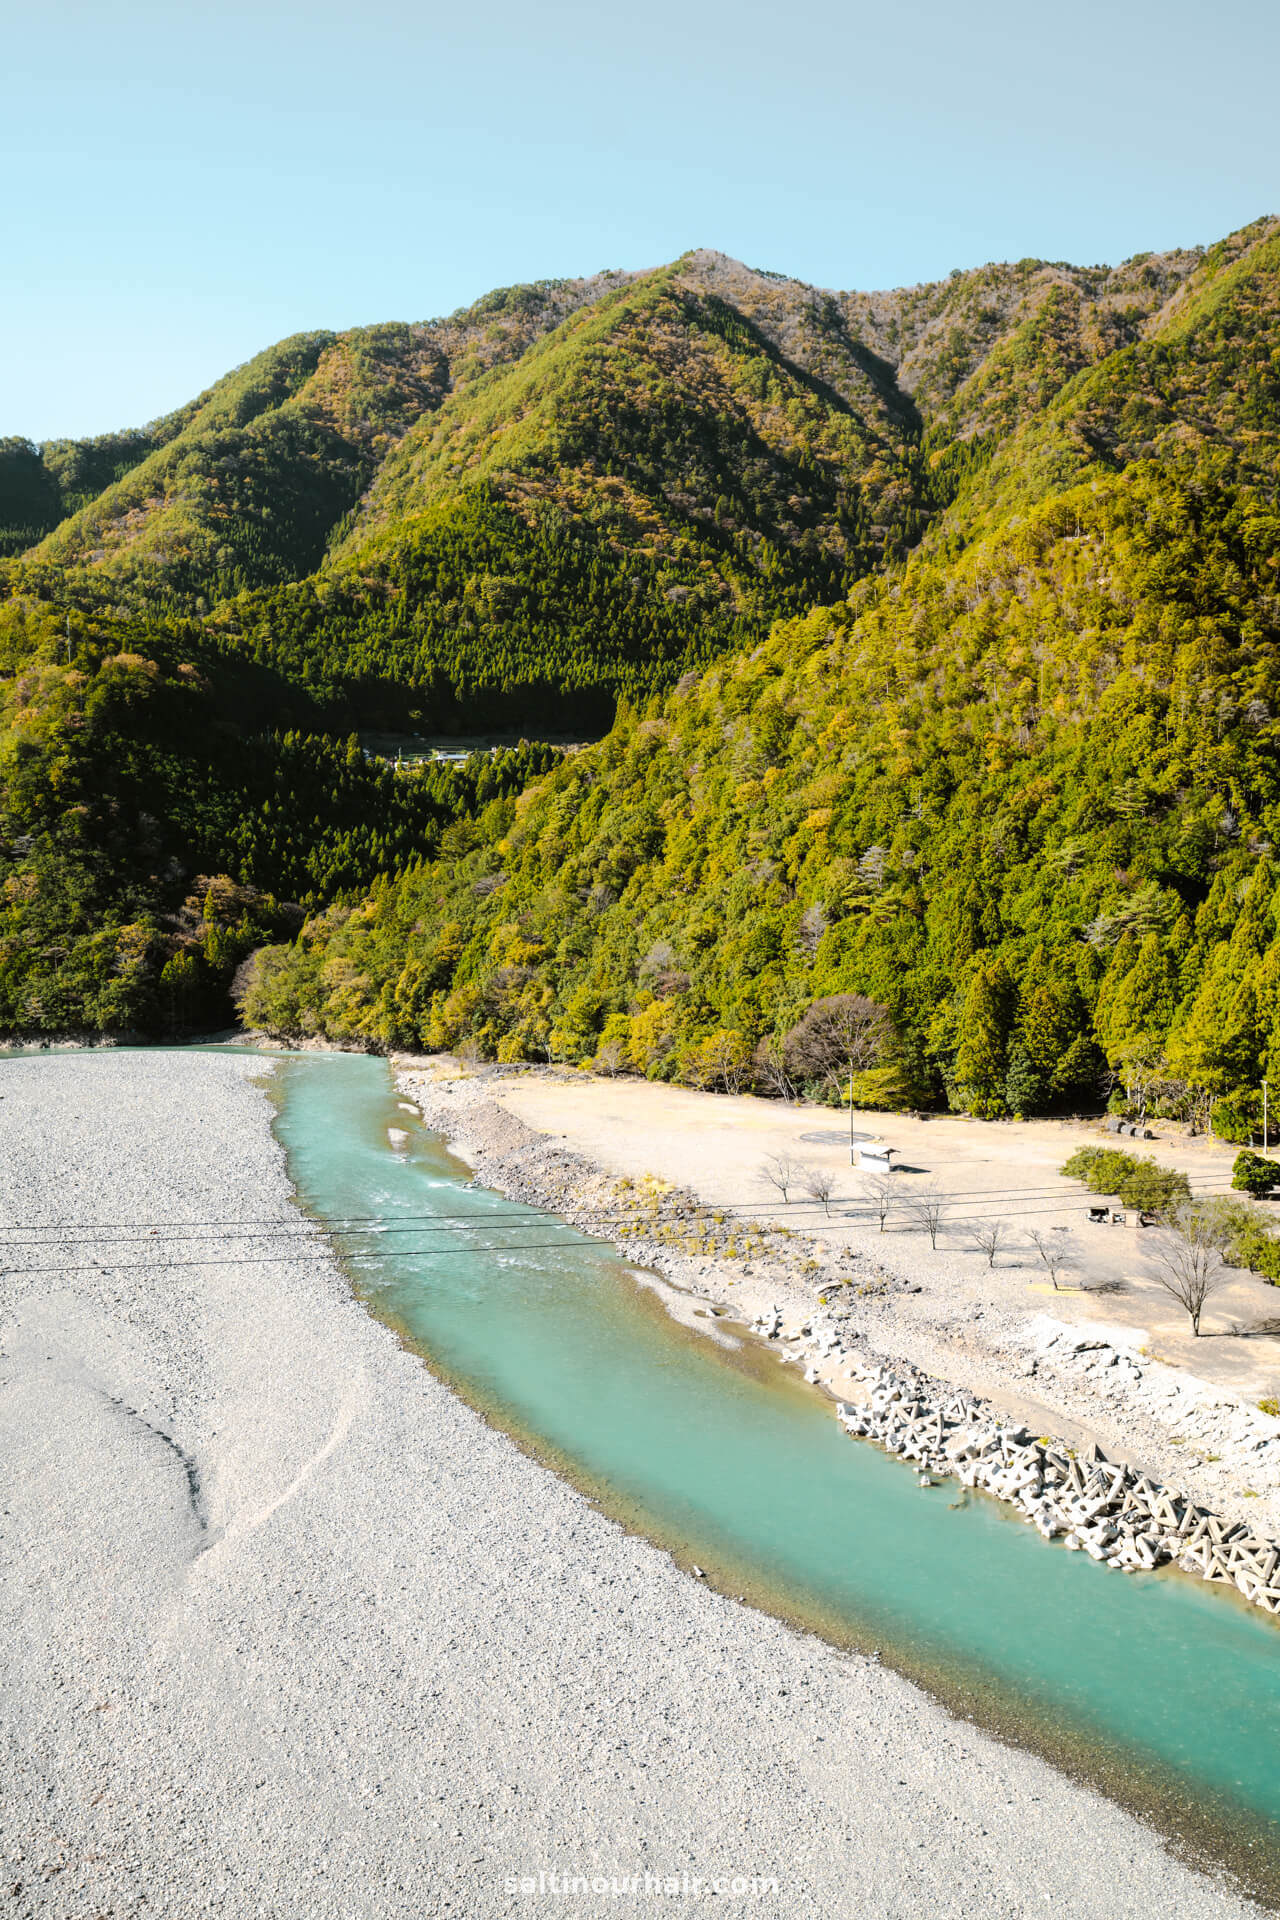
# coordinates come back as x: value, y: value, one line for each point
x: 716, y: 1145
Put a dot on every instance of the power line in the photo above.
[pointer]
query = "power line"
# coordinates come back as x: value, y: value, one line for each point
x: 318, y: 1251
x: 316, y: 1248
x: 403, y: 1223
x: 264, y: 1227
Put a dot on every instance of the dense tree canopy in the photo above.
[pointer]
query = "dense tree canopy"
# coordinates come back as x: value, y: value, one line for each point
x: 1026, y: 801
x: 941, y: 628
x: 143, y: 823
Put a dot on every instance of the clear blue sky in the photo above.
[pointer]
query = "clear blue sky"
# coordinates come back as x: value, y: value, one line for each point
x: 186, y: 183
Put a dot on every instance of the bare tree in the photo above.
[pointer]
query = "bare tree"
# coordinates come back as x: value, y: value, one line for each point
x: 882, y: 1195
x: 1194, y: 1103
x: 837, y: 1038
x: 1188, y: 1258
x: 813, y: 924
x: 771, y: 1070
x: 730, y: 1061
x: 1200, y: 1105
x: 989, y: 1238
x: 1144, y: 1076
x: 782, y: 1172
x: 1055, y: 1255
x: 928, y: 1204
x: 821, y: 1185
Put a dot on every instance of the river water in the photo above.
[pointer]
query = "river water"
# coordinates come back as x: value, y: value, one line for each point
x: 1164, y: 1689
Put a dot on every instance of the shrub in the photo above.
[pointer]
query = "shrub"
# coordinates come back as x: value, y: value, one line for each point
x: 1230, y: 1218
x: 1233, y: 1120
x: 1243, y: 1233
x: 1136, y: 1182
x: 1257, y: 1250
x: 1152, y: 1187
x: 1254, y: 1175
x: 1081, y: 1165
x: 1111, y: 1170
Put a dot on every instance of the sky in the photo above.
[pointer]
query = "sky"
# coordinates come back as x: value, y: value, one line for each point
x: 185, y: 184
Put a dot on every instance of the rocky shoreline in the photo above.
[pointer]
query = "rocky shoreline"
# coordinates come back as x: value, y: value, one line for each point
x: 1101, y: 1507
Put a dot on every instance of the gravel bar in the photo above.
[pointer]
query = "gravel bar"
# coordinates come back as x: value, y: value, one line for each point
x: 289, y: 1630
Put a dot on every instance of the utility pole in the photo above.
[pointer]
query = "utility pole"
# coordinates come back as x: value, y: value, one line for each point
x: 1264, y: 1116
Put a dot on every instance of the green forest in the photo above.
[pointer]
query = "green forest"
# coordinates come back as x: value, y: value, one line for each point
x: 925, y: 645
x: 1027, y: 802
x: 151, y: 837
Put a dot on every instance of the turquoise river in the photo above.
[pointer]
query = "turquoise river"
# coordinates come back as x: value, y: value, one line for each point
x: 1164, y: 1690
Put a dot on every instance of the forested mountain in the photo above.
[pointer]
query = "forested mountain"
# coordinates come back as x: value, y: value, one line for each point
x: 580, y: 488
x: 246, y: 484
x: 1198, y: 389
x: 1028, y: 801
x: 945, y: 625
x: 162, y: 812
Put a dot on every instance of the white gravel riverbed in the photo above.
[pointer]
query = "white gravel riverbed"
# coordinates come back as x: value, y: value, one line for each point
x: 288, y: 1631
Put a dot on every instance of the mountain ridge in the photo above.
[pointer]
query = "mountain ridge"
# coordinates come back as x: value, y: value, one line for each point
x: 583, y: 487
x: 902, y: 329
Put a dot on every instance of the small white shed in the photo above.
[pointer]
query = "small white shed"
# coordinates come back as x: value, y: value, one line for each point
x: 875, y: 1158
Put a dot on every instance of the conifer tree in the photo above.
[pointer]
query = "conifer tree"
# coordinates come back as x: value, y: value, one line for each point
x: 1141, y: 1005
x: 981, y: 1062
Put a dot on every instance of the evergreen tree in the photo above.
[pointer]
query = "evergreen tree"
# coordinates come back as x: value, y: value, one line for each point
x: 981, y: 1061
x: 1026, y: 1090
x: 1139, y: 1009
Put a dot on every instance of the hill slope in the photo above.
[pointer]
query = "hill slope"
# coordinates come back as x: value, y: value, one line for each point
x: 162, y: 812
x: 587, y: 487
x: 1014, y: 778
x: 1028, y: 801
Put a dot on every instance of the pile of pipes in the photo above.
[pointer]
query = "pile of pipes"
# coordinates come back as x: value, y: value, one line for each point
x: 1095, y: 1505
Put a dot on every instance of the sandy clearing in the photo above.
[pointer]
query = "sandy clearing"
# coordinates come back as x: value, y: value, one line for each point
x: 715, y: 1145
